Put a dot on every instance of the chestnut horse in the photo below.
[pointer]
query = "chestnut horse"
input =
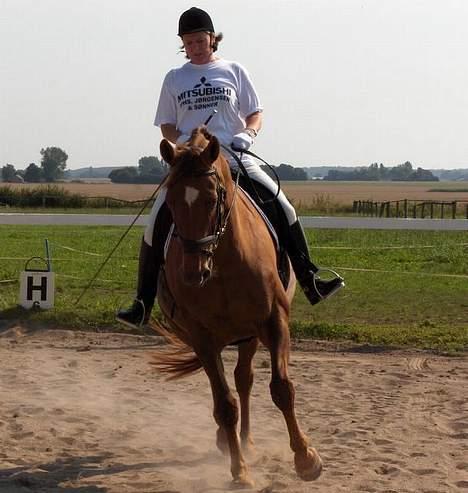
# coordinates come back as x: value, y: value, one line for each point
x: 220, y: 286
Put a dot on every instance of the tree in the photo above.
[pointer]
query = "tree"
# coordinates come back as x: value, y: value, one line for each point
x: 286, y: 172
x: 53, y: 163
x: 8, y: 172
x: 148, y: 165
x: 128, y: 174
x: 150, y: 169
x: 423, y: 175
x: 402, y: 172
x: 33, y: 173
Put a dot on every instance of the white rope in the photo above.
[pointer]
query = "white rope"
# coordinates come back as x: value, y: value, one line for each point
x: 399, y: 247
x: 77, y: 251
x: 430, y: 274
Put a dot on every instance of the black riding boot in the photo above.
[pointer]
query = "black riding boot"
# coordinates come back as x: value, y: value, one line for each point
x: 150, y: 261
x: 314, y: 288
x: 148, y: 268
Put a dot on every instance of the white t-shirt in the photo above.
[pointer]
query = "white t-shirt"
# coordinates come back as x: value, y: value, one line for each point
x: 189, y: 95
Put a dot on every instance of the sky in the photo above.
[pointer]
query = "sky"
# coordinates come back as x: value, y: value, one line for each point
x: 342, y: 82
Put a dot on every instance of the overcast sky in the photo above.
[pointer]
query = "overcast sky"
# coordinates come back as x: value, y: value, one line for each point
x: 343, y: 82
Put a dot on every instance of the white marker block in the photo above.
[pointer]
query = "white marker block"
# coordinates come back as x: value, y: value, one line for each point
x: 37, y: 289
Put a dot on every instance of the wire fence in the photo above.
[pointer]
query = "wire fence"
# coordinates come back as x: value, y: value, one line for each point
x: 407, y: 208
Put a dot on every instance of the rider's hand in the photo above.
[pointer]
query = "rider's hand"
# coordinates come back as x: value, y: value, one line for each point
x: 243, y: 140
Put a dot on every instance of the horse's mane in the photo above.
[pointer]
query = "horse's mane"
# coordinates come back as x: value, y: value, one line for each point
x: 186, y: 160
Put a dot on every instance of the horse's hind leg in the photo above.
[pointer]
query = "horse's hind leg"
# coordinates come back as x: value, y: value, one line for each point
x: 244, y: 376
x: 226, y: 415
x: 306, y: 459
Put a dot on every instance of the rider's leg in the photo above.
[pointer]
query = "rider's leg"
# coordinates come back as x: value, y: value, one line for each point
x: 291, y: 235
x: 150, y: 260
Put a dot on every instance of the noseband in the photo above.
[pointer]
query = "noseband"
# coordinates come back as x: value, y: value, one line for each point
x: 208, y: 244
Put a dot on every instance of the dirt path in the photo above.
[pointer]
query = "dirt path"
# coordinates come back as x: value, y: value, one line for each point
x: 86, y: 413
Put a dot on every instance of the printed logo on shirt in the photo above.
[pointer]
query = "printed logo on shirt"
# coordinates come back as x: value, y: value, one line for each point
x: 203, y: 96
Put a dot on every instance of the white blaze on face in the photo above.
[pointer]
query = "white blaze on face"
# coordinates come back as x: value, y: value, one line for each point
x: 191, y: 194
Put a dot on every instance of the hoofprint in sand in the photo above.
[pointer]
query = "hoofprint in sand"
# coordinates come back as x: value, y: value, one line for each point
x: 86, y: 412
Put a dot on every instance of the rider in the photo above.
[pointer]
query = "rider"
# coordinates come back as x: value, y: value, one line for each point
x: 189, y: 96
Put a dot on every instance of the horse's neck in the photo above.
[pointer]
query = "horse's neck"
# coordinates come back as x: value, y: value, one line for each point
x: 243, y: 227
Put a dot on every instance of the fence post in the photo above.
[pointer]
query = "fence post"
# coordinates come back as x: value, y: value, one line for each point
x: 423, y: 207
x: 405, y: 206
x: 442, y: 210
x: 454, y: 209
x: 414, y: 210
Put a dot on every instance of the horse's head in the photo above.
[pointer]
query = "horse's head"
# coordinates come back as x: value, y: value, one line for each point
x: 196, y: 197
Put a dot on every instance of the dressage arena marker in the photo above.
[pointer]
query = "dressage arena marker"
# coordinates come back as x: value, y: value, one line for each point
x: 37, y: 286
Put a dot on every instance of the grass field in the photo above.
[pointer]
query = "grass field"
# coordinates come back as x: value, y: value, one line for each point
x: 303, y: 194
x: 403, y: 287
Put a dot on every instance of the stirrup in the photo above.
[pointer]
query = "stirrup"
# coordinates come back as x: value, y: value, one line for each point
x: 129, y: 323
x: 315, y: 276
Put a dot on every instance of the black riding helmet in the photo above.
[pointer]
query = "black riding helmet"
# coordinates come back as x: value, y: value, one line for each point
x: 195, y: 20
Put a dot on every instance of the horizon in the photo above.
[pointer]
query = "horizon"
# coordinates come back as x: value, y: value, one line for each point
x: 353, y: 81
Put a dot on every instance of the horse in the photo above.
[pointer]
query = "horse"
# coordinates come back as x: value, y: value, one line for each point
x: 220, y: 286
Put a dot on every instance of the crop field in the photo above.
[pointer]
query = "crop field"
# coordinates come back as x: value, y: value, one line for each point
x: 303, y: 194
x: 402, y: 287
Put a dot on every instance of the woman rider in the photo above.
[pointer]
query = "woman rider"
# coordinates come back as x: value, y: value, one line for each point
x: 189, y: 96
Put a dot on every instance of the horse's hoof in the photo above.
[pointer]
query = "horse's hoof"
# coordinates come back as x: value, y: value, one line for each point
x: 221, y: 441
x: 308, y: 465
x: 242, y: 483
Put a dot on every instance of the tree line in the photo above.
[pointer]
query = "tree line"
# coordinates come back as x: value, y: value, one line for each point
x: 54, y: 162
x: 151, y: 170
x: 378, y: 172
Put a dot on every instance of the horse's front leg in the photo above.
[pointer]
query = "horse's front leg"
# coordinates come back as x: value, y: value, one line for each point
x: 306, y: 459
x: 226, y: 415
x: 244, y: 376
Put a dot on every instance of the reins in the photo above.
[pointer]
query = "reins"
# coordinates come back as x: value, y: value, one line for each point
x: 120, y: 241
x: 232, y: 153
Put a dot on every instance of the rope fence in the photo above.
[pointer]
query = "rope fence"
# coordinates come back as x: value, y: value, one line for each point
x: 344, y: 268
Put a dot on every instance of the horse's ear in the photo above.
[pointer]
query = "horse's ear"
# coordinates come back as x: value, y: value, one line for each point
x: 211, y: 151
x: 167, y: 151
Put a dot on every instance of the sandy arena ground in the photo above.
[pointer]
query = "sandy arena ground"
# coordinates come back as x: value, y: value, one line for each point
x: 85, y: 412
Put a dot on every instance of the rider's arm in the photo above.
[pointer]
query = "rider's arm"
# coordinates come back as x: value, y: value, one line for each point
x: 254, y: 121
x: 170, y: 132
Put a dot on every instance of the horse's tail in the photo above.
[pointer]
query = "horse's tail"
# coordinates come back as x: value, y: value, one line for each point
x: 178, y: 360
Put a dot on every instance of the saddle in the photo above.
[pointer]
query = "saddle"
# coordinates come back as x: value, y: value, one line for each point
x: 275, y: 219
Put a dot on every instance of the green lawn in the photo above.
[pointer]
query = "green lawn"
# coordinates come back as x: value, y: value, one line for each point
x: 402, y: 287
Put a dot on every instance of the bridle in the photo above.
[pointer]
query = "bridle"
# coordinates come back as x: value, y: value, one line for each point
x: 208, y: 244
